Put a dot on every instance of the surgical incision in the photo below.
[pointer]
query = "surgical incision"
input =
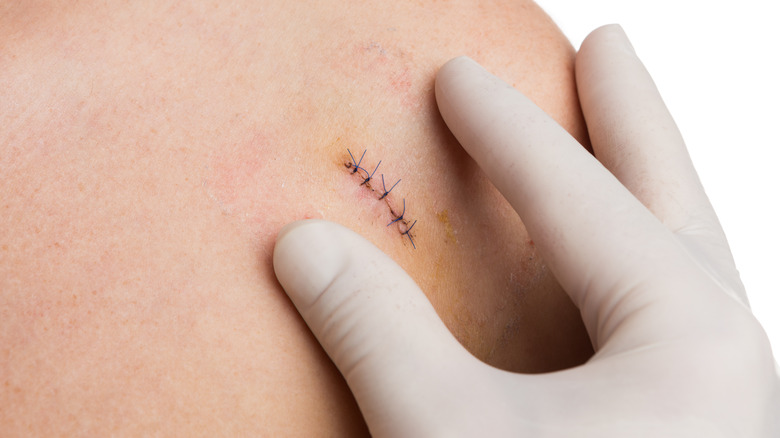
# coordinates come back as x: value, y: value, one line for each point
x: 367, y: 179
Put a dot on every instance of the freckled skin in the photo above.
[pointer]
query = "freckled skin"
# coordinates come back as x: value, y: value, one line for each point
x: 149, y: 154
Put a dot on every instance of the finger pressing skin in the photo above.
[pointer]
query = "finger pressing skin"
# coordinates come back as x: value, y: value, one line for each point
x: 607, y: 250
x: 373, y: 321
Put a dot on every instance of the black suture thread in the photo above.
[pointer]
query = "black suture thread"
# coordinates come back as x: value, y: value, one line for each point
x: 368, y: 178
x: 409, y: 235
x: 357, y: 163
x: 387, y: 192
x: 399, y: 217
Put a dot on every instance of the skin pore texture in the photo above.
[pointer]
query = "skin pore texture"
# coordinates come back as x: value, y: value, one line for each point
x: 149, y: 154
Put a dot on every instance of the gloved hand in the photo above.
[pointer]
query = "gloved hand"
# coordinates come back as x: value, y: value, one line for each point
x: 629, y: 234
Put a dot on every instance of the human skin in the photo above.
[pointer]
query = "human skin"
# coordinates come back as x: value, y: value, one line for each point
x: 151, y: 151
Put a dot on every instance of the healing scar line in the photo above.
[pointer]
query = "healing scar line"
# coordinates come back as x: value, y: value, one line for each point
x: 355, y: 166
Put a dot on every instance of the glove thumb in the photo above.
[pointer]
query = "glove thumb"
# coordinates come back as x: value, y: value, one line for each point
x: 377, y: 326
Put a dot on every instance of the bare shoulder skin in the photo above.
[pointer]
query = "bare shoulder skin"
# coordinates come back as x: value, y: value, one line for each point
x: 149, y: 154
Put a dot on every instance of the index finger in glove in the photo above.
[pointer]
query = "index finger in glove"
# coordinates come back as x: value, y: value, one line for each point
x: 604, y: 247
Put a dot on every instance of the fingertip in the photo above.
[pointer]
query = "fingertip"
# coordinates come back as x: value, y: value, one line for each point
x: 293, y: 234
x: 307, y: 258
x: 608, y: 28
x: 452, y: 75
x: 293, y: 226
x: 472, y: 101
x: 454, y: 65
x: 608, y: 36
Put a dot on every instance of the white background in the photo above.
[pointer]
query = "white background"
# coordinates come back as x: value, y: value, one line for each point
x: 716, y: 65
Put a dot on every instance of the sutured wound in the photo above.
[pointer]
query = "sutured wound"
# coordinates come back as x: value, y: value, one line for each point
x: 404, y: 227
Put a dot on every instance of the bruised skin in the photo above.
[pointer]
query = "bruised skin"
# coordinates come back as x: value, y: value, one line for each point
x: 149, y: 154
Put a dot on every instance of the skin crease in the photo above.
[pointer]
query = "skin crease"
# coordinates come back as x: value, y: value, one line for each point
x: 150, y: 152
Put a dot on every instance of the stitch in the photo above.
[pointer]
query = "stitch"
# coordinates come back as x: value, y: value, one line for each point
x: 399, y: 217
x: 409, y: 235
x: 357, y: 163
x: 368, y: 178
x: 387, y: 192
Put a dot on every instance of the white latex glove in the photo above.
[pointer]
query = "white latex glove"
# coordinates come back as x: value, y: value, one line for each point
x: 631, y: 237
